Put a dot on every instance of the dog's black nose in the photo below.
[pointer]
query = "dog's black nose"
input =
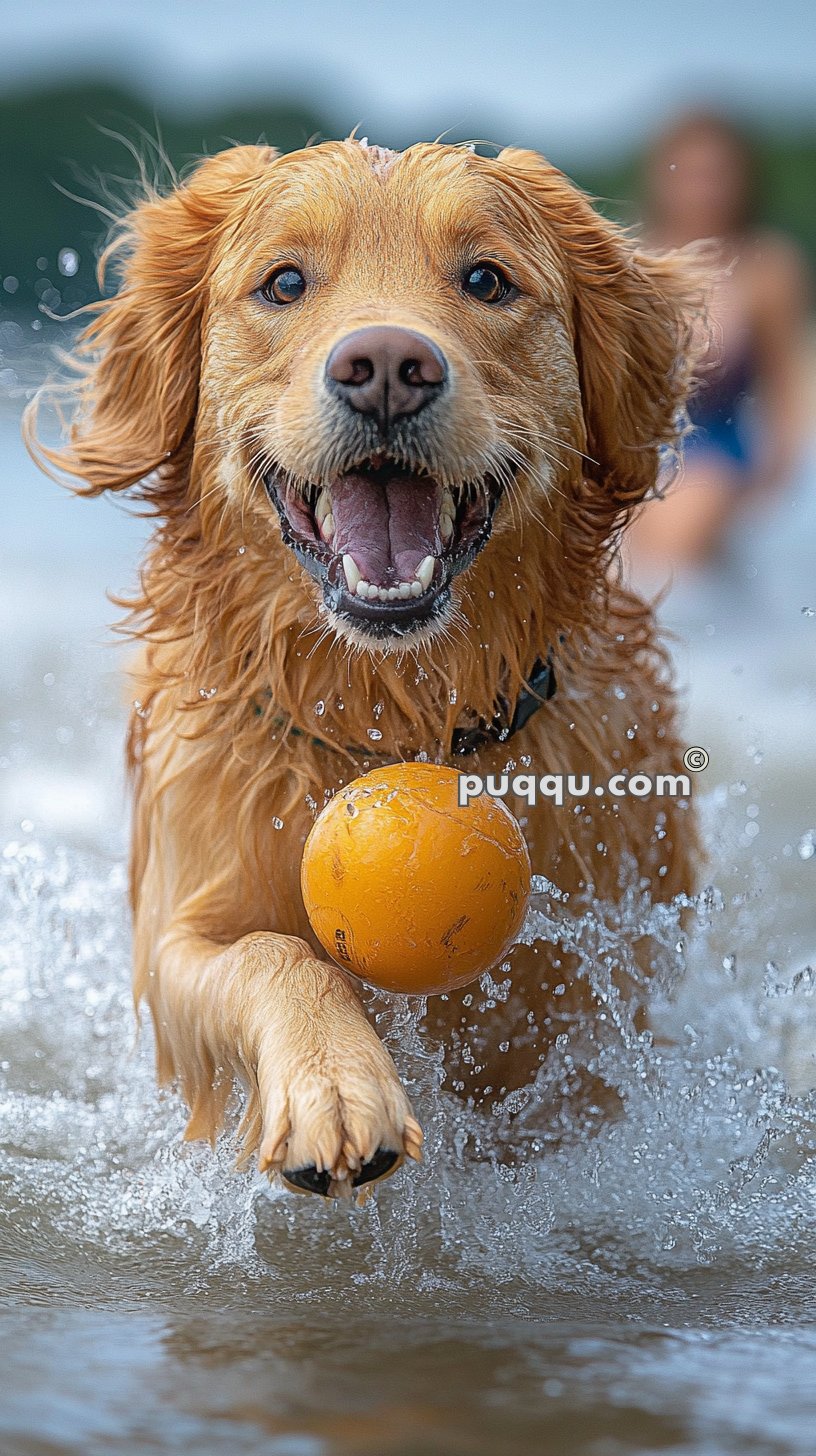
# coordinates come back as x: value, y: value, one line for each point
x: 386, y: 372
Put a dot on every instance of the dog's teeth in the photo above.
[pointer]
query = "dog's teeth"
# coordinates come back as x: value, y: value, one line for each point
x: 322, y: 507
x: 327, y: 527
x: 445, y: 527
x: 424, y: 573
x: 367, y: 591
x: 352, y: 572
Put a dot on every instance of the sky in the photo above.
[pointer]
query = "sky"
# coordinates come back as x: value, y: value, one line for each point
x: 577, y: 71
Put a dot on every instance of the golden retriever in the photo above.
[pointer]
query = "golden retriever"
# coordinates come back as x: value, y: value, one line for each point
x: 391, y: 411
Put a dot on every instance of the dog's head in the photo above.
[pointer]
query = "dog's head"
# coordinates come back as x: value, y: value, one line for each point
x: 383, y: 361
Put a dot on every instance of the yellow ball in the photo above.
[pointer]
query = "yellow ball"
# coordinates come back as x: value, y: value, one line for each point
x: 407, y: 888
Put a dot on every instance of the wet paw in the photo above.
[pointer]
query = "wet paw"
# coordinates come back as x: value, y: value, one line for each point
x: 335, y: 1115
x: 333, y: 1141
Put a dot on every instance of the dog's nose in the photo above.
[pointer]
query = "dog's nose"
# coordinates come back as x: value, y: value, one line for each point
x: 386, y: 371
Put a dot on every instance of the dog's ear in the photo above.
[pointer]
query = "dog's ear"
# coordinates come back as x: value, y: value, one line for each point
x: 636, y: 329
x: 138, y: 358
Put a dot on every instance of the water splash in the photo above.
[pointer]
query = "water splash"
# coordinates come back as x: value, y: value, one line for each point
x: 708, y: 1163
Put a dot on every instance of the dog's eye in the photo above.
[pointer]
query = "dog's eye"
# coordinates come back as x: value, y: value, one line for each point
x: 285, y: 285
x: 487, y: 283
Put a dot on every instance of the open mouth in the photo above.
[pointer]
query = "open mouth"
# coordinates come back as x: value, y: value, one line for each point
x: 385, y: 543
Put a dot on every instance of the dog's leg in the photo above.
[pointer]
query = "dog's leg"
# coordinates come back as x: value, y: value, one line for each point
x: 326, y: 1107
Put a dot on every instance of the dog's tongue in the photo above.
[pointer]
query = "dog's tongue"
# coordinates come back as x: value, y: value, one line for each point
x: 387, y: 527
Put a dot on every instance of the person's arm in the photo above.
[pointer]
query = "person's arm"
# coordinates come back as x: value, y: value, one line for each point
x: 781, y: 303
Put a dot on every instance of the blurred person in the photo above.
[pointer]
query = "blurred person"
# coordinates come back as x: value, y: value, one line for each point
x: 748, y: 411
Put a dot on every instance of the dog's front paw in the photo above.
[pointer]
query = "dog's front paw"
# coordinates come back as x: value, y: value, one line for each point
x: 335, y: 1115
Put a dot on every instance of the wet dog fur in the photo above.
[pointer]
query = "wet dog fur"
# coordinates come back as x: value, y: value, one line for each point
x: 197, y: 393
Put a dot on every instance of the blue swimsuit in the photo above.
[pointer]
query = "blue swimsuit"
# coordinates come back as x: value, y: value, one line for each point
x: 717, y: 412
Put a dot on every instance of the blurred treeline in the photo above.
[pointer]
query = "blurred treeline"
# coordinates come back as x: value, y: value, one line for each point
x: 56, y: 139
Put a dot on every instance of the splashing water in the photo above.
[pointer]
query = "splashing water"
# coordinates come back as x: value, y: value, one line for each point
x: 701, y: 1189
x: 640, y: 1284
x: 708, y: 1161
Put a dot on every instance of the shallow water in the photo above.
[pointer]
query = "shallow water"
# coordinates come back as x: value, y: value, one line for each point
x: 648, y: 1288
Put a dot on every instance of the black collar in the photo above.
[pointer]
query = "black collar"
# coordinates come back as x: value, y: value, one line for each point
x: 541, y: 686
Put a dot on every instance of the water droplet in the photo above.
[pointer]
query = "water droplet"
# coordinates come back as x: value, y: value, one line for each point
x: 68, y: 262
x: 207, y: 692
x: 277, y: 823
x: 377, y: 710
x: 806, y: 848
x: 241, y: 551
x: 320, y: 708
x: 452, y: 695
x: 809, y: 611
x: 375, y: 734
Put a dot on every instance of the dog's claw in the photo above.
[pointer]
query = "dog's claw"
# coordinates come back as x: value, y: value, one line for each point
x: 328, y: 1185
x: 384, y: 1161
x: 309, y: 1180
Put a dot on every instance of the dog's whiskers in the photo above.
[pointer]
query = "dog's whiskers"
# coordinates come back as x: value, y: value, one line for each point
x: 523, y: 463
x: 535, y: 434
